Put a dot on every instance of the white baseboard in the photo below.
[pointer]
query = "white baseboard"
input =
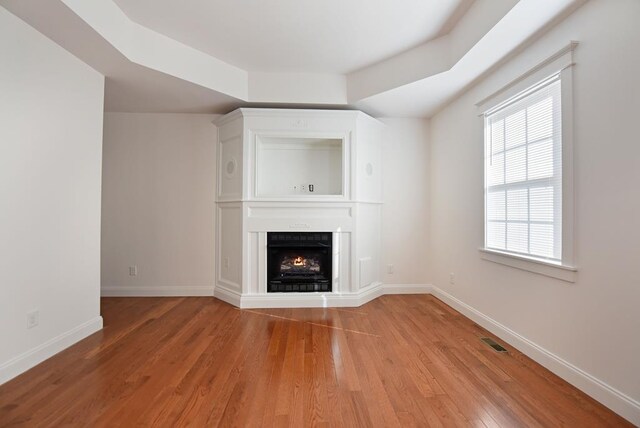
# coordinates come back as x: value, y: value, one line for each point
x: 304, y: 300
x: 617, y: 401
x: 230, y: 296
x: 35, y: 356
x: 317, y: 300
x: 300, y: 300
x: 407, y: 289
x: 368, y: 294
x: 163, y: 291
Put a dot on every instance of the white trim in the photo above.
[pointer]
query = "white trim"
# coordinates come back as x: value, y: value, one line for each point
x: 232, y: 297
x: 289, y: 113
x: 505, y: 108
x: 35, y: 356
x: 407, y: 289
x: 617, y: 401
x: 156, y: 291
x: 284, y: 300
x: 568, y: 193
x: 371, y: 292
x: 556, y: 62
x: 317, y: 300
x: 542, y: 267
x: 310, y: 300
x: 300, y: 300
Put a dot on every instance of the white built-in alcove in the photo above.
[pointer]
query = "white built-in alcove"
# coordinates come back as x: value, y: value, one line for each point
x: 289, y: 166
x: 283, y: 170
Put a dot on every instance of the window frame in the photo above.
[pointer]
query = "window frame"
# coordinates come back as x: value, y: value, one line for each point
x: 560, y: 63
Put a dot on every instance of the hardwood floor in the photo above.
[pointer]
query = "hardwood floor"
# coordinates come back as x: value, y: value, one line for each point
x: 397, y: 361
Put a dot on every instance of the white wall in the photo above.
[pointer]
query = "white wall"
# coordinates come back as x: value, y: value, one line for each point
x: 593, y: 324
x: 405, y: 213
x: 50, y: 162
x: 158, y: 204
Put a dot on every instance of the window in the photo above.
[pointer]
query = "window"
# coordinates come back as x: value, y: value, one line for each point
x: 523, y: 173
x: 529, y: 207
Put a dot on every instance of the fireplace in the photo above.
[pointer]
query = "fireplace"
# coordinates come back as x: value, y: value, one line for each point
x: 299, y: 261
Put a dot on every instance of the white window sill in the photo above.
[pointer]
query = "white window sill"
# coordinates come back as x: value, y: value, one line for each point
x: 541, y: 267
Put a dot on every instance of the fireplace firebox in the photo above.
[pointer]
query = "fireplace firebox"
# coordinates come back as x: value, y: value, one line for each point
x: 299, y: 262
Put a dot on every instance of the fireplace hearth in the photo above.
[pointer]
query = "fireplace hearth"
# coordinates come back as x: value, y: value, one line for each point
x: 299, y: 262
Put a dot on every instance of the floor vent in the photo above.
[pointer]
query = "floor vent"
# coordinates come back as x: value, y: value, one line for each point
x: 495, y: 345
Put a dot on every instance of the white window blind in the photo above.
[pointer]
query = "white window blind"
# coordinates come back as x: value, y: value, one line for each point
x: 523, y: 173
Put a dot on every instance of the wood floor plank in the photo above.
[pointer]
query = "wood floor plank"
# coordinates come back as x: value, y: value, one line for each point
x: 396, y: 361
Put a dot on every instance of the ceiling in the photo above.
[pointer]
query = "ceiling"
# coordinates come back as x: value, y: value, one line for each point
x: 328, y: 36
x: 386, y: 57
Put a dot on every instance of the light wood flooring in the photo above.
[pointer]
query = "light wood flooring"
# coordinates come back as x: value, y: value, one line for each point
x: 405, y: 360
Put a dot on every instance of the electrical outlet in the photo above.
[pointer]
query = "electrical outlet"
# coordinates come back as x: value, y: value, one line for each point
x: 311, y: 187
x: 303, y: 188
x: 133, y: 270
x: 389, y: 269
x: 452, y: 278
x: 33, y: 319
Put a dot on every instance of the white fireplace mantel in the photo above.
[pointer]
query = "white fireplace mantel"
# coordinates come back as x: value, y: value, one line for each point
x: 267, y: 158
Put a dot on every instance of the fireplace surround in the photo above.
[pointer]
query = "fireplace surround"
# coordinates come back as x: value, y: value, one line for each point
x: 285, y: 173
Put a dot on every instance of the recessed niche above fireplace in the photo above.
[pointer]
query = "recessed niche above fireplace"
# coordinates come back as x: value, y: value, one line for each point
x: 288, y: 166
x: 299, y: 262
